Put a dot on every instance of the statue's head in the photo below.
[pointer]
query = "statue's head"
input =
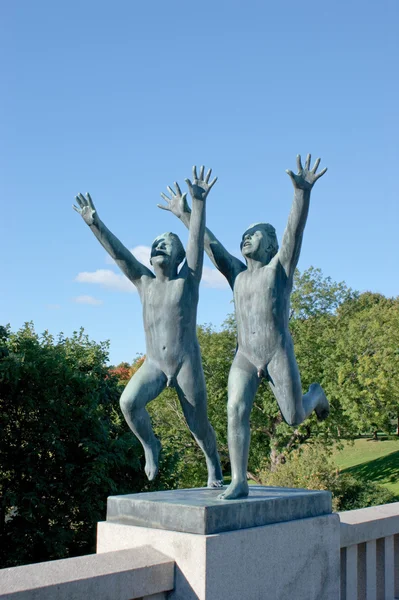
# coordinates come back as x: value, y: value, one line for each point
x: 259, y: 241
x: 167, y: 248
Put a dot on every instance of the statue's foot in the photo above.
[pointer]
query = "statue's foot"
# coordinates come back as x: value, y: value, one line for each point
x: 215, y: 483
x: 152, y: 460
x: 322, y: 409
x: 236, y: 489
x: 215, y: 475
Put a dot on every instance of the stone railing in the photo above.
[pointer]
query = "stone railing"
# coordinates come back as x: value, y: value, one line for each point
x: 370, y: 553
x: 369, y: 541
x: 142, y: 573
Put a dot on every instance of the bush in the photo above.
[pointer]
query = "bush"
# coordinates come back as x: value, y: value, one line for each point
x: 311, y: 467
x: 64, y: 445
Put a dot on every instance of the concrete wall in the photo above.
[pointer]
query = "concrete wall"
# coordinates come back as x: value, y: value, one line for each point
x: 296, y: 559
x: 124, y: 575
x: 283, y: 561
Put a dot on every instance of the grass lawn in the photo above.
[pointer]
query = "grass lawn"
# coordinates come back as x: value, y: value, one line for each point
x: 373, y: 461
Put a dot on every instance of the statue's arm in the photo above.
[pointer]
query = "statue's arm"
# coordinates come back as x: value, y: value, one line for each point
x: 229, y: 265
x: 129, y: 265
x: 291, y: 243
x: 293, y: 234
x: 199, y: 189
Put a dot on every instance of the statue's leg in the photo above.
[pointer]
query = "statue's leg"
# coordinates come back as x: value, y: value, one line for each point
x: 285, y: 383
x: 191, y: 390
x: 145, y: 385
x: 242, y: 386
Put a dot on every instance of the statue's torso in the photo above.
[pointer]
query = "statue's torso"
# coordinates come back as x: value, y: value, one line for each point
x: 261, y: 303
x: 169, y: 316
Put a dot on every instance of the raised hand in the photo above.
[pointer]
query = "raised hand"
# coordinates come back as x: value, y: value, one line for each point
x: 306, y: 177
x: 199, y: 188
x: 86, y: 209
x: 177, y: 203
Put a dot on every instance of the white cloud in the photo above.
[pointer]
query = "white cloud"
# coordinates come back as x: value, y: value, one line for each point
x: 87, y: 300
x: 107, y: 279
x: 142, y: 253
x: 212, y: 278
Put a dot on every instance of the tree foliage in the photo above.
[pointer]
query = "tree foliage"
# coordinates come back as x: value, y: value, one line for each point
x: 122, y: 372
x: 316, y: 295
x: 64, y: 446
x: 366, y: 355
x: 311, y: 467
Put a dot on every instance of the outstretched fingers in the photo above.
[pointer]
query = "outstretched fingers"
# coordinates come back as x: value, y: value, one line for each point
x: 299, y: 163
x: 81, y: 200
x: 213, y: 182
x: 171, y: 192
x: 320, y: 174
x: 178, y: 190
x: 307, y: 163
x: 195, y: 176
x: 316, y: 165
x: 189, y: 184
x: 291, y: 174
x: 208, y: 175
x: 90, y: 201
x: 167, y: 200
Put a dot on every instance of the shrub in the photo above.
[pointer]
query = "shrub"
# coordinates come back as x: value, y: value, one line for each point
x: 311, y: 467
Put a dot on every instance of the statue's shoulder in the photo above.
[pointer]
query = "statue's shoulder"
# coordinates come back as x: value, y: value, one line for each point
x: 146, y: 280
x: 241, y: 279
x: 242, y: 275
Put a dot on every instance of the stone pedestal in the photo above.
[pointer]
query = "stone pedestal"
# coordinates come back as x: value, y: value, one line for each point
x: 276, y: 544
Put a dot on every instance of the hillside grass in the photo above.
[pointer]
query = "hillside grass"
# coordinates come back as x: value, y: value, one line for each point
x: 376, y: 461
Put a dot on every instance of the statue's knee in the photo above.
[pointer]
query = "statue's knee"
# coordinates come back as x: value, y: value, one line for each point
x: 237, y: 411
x: 127, y: 404
x: 123, y: 403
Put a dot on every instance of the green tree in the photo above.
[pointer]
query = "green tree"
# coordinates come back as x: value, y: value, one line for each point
x: 316, y: 295
x: 366, y: 358
x: 64, y: 446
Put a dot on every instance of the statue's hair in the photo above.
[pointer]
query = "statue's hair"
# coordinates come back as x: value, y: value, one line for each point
x: 270, y: 232
x: 181, y: 253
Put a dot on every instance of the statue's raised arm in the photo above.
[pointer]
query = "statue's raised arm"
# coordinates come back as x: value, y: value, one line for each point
x: 199, y: 189
x: 129, y: 265
x: 226, y: 263
x: 291, y: 243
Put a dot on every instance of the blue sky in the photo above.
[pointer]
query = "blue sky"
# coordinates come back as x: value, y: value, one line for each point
x: 121, y: 98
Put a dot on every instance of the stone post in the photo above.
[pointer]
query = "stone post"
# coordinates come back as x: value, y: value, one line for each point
x: 277, y: 544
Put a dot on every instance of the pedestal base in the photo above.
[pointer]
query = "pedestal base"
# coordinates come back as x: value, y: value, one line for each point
x: 199, y: 510
x: 280, y: 561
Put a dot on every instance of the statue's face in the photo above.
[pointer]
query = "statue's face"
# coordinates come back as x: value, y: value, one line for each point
x: 254, y: 243
x: 164, y: 249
